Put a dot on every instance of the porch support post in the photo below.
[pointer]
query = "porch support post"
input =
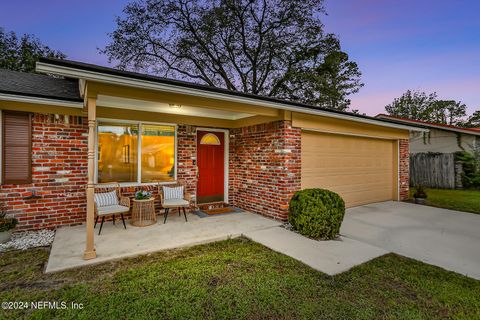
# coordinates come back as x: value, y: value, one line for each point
x: 90, y: 252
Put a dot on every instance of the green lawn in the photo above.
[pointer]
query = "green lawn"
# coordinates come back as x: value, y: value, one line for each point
x: 237, y: 279
x: 461, y: 200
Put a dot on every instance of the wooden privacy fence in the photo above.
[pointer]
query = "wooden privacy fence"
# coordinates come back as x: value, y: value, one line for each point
x: 434, y: 170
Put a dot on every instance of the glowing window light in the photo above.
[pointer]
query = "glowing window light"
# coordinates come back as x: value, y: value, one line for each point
x: 211, y: 139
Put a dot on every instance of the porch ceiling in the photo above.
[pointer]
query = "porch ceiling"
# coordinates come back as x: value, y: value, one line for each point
x: 163, y: 107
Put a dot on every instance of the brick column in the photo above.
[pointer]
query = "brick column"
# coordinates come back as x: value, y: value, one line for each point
x: 186, y: 153
x: 265, y: 167
x: 404, y: 173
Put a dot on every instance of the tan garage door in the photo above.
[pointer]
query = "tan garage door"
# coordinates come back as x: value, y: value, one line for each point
x: 359, y: 169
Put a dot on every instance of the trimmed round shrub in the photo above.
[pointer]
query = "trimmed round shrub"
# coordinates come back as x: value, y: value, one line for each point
x: 317, y: 213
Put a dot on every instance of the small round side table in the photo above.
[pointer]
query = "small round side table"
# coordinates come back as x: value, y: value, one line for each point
x: 143, y: 212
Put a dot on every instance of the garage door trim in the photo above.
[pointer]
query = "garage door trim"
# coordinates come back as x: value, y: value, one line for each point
x: 347, y: 134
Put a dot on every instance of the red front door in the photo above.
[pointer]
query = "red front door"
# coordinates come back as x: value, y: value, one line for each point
x: 211, y: 166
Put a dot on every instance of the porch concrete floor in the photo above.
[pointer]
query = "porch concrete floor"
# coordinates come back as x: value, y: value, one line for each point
x: 115, y: 242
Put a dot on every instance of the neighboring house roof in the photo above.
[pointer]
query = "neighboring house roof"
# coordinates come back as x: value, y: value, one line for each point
x: 17, y: 83
x: 431, y: 125
x: 92, y: 72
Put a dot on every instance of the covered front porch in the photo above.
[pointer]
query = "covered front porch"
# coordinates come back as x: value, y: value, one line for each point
x: 146, y: 132
x: 112, y: 108
x: 116, y: 243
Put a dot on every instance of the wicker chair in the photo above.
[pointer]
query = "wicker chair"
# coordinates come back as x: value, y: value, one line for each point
x: 122, y: 207
x: 179, y: 204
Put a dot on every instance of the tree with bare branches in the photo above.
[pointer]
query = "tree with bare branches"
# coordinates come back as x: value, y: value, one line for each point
x: 264, y: 47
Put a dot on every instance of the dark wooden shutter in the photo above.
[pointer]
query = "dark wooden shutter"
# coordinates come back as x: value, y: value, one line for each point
x: 16, y: 147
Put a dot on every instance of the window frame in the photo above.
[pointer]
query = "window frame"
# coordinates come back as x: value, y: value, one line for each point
x: 139, y: 150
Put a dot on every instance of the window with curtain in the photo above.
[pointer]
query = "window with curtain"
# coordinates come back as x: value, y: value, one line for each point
x: 120, y: 158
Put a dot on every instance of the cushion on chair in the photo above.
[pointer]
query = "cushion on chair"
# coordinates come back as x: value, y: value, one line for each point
x: 173, y: 193
x: 175, y: 203
x: 103, y: 199
x: 113, y: 209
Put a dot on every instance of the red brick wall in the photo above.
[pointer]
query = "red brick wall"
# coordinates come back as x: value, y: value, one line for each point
x: 186, y: 153
x: 264, y: 170
x: 59, y: 170
x: 265, y: 167
x: 404, y: 168
x: 59, y: 173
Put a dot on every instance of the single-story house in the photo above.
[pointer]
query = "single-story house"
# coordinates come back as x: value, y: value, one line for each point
x: 440, y: 138
x: 89, y: 124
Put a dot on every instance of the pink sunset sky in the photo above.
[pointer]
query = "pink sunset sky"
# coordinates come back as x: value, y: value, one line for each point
x: 428, y: 45
x: 419, y: 45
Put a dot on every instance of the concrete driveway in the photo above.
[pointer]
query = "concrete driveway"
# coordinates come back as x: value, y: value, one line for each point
x: 445, y: 238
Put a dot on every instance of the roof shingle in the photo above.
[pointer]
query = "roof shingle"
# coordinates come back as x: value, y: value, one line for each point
x: 38, y: 85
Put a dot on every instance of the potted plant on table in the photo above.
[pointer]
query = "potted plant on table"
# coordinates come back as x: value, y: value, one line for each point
x: 420, y: 194
x: 143, y: 195
x: 6, y: 226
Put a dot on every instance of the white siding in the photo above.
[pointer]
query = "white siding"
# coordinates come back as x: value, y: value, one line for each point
x: 439, y: 141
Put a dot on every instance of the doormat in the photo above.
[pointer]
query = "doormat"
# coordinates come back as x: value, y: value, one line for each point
x: 219, y: 210
x: 211, y: 205
x: 202, y: 213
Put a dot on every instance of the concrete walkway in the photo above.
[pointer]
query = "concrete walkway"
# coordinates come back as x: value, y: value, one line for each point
x: 330, y: 257
x: 116, y: 243
x: 445, y: 238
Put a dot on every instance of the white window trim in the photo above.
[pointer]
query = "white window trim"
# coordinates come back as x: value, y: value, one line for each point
x: 139, y: 155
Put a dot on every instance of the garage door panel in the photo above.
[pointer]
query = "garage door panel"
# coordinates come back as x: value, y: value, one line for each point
x: 359, y: 169
x: 348, y: 180
x: 340, y: 167
x: 365, y: 187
